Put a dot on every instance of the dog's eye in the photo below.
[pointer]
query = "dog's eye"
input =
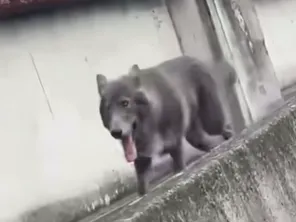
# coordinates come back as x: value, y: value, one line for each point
x: 124, y: 103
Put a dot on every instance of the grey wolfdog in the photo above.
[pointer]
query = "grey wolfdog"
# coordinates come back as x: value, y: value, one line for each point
x: 151, y: 110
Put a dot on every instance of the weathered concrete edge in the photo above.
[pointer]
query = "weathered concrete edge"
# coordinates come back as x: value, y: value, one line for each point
x: 91, y: 204
x: 73, y: 209
x: 194, y: 195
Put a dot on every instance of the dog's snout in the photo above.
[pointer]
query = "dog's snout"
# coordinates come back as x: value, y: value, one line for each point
x: 117, y: 133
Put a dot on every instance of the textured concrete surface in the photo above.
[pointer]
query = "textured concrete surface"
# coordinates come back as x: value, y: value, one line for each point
x: 251, y: 178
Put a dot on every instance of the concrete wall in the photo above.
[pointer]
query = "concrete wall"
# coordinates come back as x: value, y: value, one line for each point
x: 278, y: 22
x: 244, y: 43
x: 200, y: 40
x: 53, y: 145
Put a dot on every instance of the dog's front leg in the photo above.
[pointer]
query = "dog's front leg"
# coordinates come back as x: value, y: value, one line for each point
x: 177, y: 154
x: 143, y: 168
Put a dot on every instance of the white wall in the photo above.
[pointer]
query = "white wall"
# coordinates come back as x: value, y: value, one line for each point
x: 46, y: 157
x: 278, y: 22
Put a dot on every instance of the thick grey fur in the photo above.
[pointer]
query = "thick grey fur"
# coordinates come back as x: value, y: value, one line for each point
x: 172, y: 101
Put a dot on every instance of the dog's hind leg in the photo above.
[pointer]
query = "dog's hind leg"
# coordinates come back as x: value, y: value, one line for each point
x: 209, y: 107
x: 227, y: 131
x: 200, y: 139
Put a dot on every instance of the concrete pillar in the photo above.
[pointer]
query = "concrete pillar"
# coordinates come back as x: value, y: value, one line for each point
x: 198, y: 38
x: 244, y: 42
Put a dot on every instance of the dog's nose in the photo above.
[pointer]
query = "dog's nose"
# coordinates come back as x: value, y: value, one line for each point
x: 117, y: 134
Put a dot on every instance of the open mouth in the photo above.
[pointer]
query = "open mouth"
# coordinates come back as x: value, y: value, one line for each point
x: 129, y: 147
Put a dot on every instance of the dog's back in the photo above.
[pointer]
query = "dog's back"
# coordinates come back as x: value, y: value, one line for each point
x: 182, y: 85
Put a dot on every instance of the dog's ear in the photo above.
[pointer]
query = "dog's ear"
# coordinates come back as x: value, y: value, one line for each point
x: 140, y: 98
x: 134, y: 70
x: 101, y: 83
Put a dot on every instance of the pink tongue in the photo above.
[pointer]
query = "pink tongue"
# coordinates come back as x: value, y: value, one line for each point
x: 130, y: 149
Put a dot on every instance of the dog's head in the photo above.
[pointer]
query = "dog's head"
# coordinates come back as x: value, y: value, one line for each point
x: 120, y: 108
